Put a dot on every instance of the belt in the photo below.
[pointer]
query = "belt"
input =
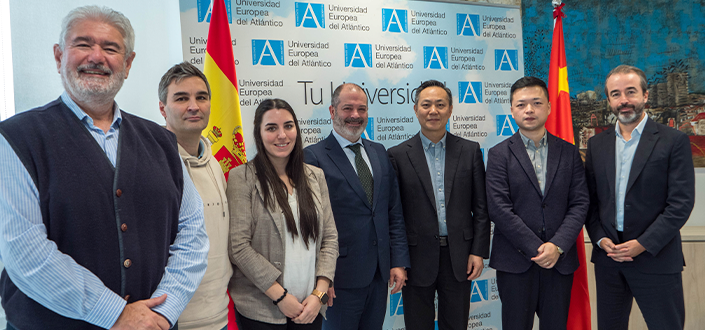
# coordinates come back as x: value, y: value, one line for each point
x: 443, y: 240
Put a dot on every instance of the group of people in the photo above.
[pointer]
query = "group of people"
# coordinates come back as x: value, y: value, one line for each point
x: 109, y: 221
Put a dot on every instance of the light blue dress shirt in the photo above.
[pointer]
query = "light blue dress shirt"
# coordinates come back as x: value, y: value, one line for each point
x: 624, y: 156
x: 538, y: 156
x: 351, y: 154
x: 436, y: 161
x: 54, y: 279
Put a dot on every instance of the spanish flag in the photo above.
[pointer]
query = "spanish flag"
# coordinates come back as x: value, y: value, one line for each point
x: 560, y: 123
x: 225, y: 127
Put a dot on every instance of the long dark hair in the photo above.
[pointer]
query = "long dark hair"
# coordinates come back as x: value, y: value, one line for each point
x: 268, y: 178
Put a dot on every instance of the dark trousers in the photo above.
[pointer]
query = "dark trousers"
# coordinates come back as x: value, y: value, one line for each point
x: 545, y: 292
x: 659, y: 296
x: 358, y: 309
x: 244, y: 323
x: 453, y: 300
x: 11, y: 327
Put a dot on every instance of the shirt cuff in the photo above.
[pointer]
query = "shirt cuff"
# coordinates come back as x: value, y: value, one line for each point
x: 106, y: 310
x: 600, y: 241
x: 167, y: 309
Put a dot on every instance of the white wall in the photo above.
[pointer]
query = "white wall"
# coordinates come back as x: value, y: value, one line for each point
x: 35, y: 29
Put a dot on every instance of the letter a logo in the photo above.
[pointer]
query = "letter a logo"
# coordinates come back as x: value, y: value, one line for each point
x: 470, y: 91
x: 478, y: 292
x: 310, y: 15
x: 267, y: 52
x: 396, y: 304
x: 506, y: 59
x: 506, y: 126
x: 468, y: 24
x: 358, y: 55
x: 435, y: 57
x: 205, y: 9
x: 394, y: 20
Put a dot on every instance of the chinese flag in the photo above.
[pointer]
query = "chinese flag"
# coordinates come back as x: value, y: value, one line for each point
x: 224, y: 129
x: 560, y: 123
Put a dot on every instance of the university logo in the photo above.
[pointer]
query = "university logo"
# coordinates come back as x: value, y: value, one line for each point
x: 310, y: 15
x: 205, y: 8
x: 394, y: 20
x: 358, y: 55
x: 478, y: 292
x: 396, y: 304
x: 369, y: 132
x: 468, y: 24
x: 506, y: 59
x: 267, y: 52
x: 506, y: 126
x: 435, y: 57
x: 470, y: 92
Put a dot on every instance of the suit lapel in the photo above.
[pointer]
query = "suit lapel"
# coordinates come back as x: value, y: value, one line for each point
x: 418, y: 161
x: 337, y: 155
x: 608, y: 145
x: 273, y: 209
x: 375, y: 160
x: 643, y: 151
x: 555, y: 149
x: 516, y: 145
x: 453, y: 154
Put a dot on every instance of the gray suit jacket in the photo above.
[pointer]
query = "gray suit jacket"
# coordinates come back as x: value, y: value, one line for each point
x: 257, y: 242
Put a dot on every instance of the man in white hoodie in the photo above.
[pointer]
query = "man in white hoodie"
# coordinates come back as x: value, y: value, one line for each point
x: 184, y: 101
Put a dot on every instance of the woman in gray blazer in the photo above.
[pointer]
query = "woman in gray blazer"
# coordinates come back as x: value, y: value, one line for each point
x: 283, y: 240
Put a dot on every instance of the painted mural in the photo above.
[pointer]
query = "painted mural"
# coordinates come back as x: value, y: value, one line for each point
x: 666, y: 39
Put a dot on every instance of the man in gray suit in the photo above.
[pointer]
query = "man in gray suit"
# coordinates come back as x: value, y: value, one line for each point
x: 537, y: 197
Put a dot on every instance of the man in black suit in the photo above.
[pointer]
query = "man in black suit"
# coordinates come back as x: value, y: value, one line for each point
x: 642, y: 189
x: 442, y: 184
x: 364, y: 196
x: 538, y: 200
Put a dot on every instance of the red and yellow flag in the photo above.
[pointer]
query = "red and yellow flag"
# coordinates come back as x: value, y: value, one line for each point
x: 225, y: 127
x: 560, y: 123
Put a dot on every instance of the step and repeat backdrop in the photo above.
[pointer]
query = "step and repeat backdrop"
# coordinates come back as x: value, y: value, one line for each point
x: 300, y: 51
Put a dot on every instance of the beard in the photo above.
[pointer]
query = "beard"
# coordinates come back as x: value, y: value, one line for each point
x: 350, y: 133
x: 629, y: 118
x: 92, y: 89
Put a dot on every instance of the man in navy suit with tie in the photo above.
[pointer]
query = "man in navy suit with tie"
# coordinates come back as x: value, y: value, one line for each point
x: 642, y: 189
x: 537, y: 198
x: 364, y: 196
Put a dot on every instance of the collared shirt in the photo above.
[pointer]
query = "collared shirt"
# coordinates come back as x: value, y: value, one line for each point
x: 351, y: 154
x: 32, y: 260
x: 538, y: 156
x: 436, y: 161
x: 623, y: 158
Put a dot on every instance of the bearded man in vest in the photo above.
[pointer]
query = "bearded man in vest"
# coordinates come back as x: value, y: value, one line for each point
x: 100, y: 225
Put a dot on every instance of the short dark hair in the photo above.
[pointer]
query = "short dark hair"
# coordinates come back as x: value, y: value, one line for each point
x: 177, y: 73
x: 527, y: 81
x: 335, y: 100
x: 433, y: 83
x: 625, y: 69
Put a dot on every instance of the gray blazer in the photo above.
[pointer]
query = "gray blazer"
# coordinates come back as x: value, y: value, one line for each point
x: 257, y: 242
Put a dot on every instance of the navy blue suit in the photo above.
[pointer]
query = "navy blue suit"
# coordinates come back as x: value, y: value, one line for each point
x: 525, y: 218
x: 371, y: 238
x: 659, y: 197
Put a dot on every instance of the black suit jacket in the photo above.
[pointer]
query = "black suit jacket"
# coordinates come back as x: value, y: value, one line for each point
x: 466, y: 207
x: 659, y: 198
x: 369, y: 236
x: 525, y: 218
